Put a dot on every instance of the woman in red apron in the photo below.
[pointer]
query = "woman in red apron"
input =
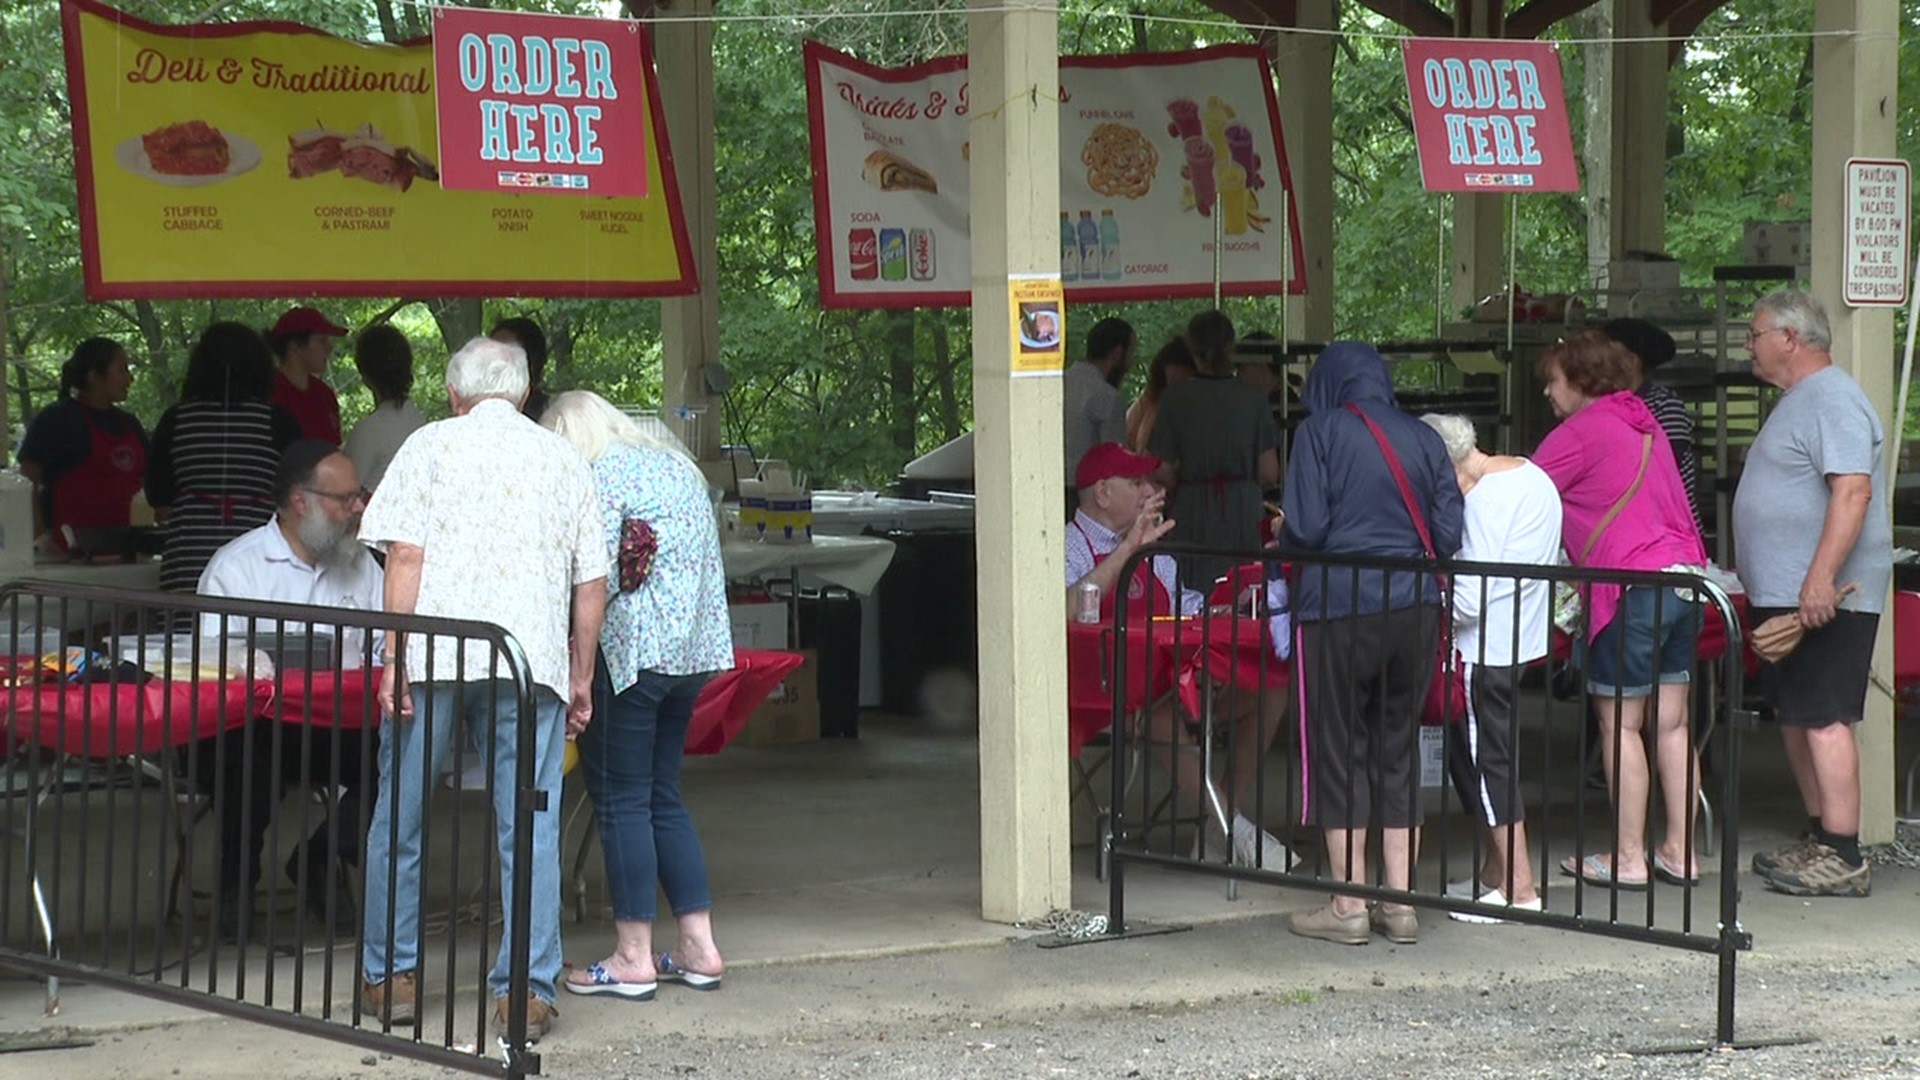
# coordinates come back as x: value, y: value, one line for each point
x: 86, y: 456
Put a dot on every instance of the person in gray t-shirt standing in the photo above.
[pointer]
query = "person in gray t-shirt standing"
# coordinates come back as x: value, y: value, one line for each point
x: 1809, y: 519
x: 1096, y: 412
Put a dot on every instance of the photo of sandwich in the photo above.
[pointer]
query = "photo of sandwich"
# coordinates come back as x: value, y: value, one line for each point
x: 890, y: 173
x: 362, y: 155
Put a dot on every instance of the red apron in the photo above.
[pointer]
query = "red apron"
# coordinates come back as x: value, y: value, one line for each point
x: 96, y: 493
x: 1146, y: 593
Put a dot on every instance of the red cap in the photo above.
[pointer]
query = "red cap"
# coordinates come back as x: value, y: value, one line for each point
x: 304, y: 320
x: 1108, y: 460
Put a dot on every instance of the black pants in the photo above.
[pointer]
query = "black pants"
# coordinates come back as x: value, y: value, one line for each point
x: 247, y: 774
x: 1364, y: 679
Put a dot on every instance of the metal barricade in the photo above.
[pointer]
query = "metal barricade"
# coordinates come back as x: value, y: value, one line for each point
x: 151, y: 739
x: 1194, y: 672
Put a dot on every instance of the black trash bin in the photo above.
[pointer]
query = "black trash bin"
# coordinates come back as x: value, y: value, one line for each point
x: 830, y: 625
x: 928, y: 613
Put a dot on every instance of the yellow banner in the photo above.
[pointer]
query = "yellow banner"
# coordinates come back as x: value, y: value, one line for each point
x: 269, y: 159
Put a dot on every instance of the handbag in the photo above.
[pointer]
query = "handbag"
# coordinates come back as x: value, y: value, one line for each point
x: 1569, y: 604
x: 1446, y: 699
x: 638, y: 546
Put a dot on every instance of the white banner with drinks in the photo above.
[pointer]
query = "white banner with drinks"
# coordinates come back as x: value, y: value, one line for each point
x: 1160, y: 154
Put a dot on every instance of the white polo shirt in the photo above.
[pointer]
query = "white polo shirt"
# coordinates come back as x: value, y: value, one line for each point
x: 259, y: 565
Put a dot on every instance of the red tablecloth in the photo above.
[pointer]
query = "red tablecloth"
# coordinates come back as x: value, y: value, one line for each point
x: 726, y: 703
x: 104, y: 720
x: 729, y: 698
x: 1167, y: 655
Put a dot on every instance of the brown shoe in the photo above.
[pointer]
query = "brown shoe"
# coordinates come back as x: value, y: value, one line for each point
x: 1825, y: 873
x: 1396, y: 922
x: 540, y: 1016
x: 1326, y: 924
x: 393, y: 1001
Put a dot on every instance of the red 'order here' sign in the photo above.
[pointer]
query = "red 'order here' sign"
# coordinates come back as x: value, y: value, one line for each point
x: 540, y: 103
x: 1489, y: 116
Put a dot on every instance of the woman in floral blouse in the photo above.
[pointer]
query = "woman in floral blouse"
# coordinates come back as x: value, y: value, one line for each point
x: 666, y: 633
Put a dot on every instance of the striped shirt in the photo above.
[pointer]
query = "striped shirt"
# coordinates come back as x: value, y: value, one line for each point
x: 1670, y: 412
x: 212, y: 469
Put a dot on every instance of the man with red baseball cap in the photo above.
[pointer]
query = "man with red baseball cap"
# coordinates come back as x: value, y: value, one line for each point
x: 304, y: 341
x: 1120, y: 514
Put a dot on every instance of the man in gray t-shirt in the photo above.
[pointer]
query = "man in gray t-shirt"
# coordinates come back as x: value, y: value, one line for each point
x: 1095, y: 411
x: 1809, y: 519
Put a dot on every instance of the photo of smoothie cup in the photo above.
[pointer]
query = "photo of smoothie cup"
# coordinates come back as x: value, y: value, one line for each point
x: 1240, y: 149
x: 1186, y: 118
x: 1215, y: 122
x: 1233, y: 199
x: 1200, y: 159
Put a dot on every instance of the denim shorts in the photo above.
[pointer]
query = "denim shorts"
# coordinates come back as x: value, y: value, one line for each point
x: 1633, y: 652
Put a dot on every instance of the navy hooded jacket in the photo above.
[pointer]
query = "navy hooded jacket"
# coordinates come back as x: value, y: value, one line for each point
x: 1341, y: 497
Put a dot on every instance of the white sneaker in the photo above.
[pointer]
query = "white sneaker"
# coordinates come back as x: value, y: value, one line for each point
x: 1493, y: 898
x: 1465, y: 889
x: 1255, y: 847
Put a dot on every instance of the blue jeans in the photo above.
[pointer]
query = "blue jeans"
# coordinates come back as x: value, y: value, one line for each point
x: 632, y: 753
x: 1638, y: 649
x: 416, y: 752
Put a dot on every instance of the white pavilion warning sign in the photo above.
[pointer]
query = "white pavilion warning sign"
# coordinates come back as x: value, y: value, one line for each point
x: 1875, y: 266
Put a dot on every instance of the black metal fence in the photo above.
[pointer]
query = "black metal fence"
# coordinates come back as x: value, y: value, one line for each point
x: 1194, y: 677
x: 150, y: 845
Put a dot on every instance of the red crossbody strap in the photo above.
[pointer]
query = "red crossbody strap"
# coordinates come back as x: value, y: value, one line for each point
x: 1399, y: 477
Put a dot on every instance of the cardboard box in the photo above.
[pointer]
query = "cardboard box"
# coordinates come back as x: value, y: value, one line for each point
x: 1781, y: 243
x: 1638, y: 274
x: 791, y: 714
x: 759, y: 626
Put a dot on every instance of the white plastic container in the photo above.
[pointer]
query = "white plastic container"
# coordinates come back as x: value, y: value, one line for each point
x: 16, y: 523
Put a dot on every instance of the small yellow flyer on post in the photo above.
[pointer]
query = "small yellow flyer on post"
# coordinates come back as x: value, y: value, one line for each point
x: 271, y: 159
x: 1039, y: 314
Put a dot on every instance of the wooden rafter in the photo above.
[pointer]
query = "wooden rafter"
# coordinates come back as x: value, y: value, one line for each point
x: 1683, y: 17
x: 1418, y: 16
x: 1255, y: 14
x: 1539, y: 16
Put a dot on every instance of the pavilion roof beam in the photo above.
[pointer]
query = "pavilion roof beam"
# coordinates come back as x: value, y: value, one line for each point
x: 1418, y: 16
x: 1539, y: 16
x: 1682, y: 18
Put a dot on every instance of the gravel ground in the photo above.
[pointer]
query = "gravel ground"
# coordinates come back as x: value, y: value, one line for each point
x: 887, y: 1018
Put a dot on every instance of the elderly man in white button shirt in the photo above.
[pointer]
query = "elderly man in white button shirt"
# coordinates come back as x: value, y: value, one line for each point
x: 308, y: 554
x: 490, y: 517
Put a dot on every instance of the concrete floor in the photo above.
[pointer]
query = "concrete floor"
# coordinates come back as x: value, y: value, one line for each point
x: 847, y: 850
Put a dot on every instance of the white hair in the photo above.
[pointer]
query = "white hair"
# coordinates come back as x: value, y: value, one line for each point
x: 485, y: 368
x: 1456, y: 431
x: 1801, y: 312
x: 595, y: 425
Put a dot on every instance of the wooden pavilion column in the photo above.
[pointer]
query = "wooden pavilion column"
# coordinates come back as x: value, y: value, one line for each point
x: 1639, y: 176
x: 1025, y: 856
x: 690, y: 325
x: 1479, y: 266
x: 1304, y: 63
x: 1855, y: 102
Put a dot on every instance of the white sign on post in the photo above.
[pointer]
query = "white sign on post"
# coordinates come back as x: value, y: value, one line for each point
x: 1874, y: 268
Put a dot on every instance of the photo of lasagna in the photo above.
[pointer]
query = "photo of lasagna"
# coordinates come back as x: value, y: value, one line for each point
x: 192, y: 148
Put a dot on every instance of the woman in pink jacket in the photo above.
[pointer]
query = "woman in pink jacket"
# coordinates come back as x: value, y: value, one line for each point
x: 1625, y: 509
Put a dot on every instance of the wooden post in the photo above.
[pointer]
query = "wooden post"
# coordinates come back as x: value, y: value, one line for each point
x: 690, y: 325
x: 1854, y: 105
x: 1025, y: 860
x: 1304, y: 63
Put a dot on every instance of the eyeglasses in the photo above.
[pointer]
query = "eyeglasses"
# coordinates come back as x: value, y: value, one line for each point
x: 1756, y: 335
x: 347, y: 499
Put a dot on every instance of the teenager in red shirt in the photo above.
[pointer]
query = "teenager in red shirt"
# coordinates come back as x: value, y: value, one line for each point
x: 303, y: 341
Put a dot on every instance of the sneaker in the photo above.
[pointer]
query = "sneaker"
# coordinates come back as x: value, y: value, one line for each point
x: 540, y: 1016
x: 1259, y: 848
x: 1492, y: 898
x: 1824, y: 873
x: 1765, y: 863
x: 1395, y: 922
x: 391, y: 1002
x: 1325, y: 924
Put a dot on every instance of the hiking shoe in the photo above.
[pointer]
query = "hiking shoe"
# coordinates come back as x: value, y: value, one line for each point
x: 1824, y: 873
x: 1395, y: 922
x: 539, y: 1018
x: 393, y: 1001
x: 1765, y: 863
x: 1325, y: 924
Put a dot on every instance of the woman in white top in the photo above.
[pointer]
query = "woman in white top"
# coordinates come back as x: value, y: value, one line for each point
x: 385, y: 361
x: 1500, y: 625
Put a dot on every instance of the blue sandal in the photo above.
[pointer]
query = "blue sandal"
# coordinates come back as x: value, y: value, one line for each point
x: 601, y: 981
x: 672, y: 972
